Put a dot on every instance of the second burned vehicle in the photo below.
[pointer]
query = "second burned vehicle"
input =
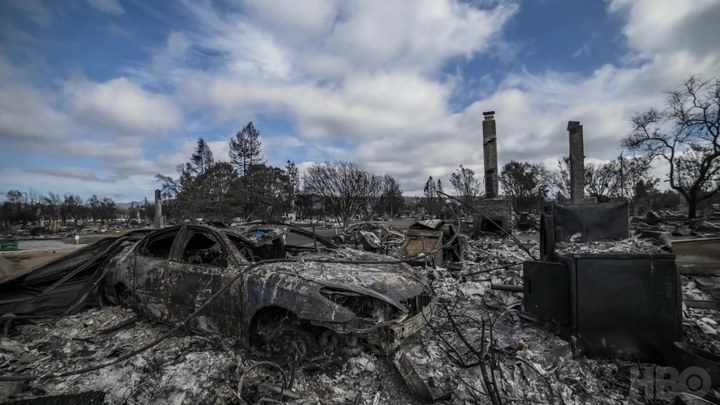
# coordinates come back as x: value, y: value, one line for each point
x: 323, y: 297
x: 370, y: 236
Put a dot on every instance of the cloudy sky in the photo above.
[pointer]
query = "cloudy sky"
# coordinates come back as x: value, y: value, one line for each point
x: 98, y: 96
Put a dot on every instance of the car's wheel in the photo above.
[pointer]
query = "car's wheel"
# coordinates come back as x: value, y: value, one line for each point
x: 293, y: 339
x: 284, y: 337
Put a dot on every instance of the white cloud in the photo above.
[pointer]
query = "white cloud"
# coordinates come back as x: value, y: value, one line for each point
x: 116, y: 150
x: 368, y: 73
x: 71, y: 172
x: 364, y: 80
x: 122, y: 106
x: 320, y: 40
x: 83, y: 121
x: 28, y: 115
x: 363, y: 107
x: 107, y: 6
x: 311, y: 18
x: 657, y: 26
x: 351, y: 71
x: 421, y: 35
x: 173, y: 53
x: 338, y: 38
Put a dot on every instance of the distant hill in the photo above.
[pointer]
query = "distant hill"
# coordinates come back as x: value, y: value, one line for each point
x: 124, y: 206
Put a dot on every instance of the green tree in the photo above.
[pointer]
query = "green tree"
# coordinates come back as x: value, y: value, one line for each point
x: 246, y: 149
x: 272, y: 191
x: 525, y: 183
x: 209, y: 195
x: 202, y: 159
x: 246, y: 152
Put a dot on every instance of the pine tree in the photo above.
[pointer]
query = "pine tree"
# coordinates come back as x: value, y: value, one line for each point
x: 294, y: 175
x: 430, y: 196
x: 202, y: 159
x: 246, y: 149
x: 429, y: 189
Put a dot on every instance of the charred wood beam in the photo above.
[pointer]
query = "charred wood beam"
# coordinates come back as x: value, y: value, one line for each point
x: 507, y: 287
x: 702, y: 304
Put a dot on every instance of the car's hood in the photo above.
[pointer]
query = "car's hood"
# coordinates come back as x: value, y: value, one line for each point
x: 393, y: 283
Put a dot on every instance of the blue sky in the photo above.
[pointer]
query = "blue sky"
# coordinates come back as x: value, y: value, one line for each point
x: 98, y: 96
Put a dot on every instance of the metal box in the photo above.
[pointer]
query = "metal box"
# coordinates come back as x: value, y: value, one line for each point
x: 593, y: 221
x: 546, y: 290
x: 614, y: 305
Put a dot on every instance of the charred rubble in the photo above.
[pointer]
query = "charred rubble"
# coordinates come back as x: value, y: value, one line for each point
x: 483, y: 344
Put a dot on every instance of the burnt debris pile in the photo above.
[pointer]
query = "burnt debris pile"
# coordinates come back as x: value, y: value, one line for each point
x: 578, y: 308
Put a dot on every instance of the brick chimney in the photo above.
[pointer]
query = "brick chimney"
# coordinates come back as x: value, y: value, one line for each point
x: 577, y: 162
x: 490, y: 155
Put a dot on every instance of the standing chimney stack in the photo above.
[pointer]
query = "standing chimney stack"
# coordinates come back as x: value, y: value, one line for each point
x: 577, y: 162
x: 158, y: 221
x: 490, y: 155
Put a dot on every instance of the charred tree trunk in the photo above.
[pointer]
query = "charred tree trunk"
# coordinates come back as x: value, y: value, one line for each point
x: 692, y: 207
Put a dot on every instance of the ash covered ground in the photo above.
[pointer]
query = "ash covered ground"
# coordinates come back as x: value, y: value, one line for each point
x: 480, y: 347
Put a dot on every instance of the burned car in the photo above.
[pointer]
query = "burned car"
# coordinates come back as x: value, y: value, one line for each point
x: 64, y: 285
x: 370, y: 236
x: 310, y: 293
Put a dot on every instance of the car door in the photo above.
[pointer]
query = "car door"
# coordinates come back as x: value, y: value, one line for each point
x: 203, y: 265
x: 152, y: 265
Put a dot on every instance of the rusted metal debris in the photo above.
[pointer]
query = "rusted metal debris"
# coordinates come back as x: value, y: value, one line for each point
x: 317, y: 316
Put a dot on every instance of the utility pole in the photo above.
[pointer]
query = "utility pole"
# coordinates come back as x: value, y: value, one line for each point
x: 622, y: 176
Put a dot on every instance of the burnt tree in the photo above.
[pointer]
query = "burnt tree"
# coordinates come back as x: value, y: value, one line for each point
x: 686, y: 135
x: 467, y: 186
x: 345, y: 187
